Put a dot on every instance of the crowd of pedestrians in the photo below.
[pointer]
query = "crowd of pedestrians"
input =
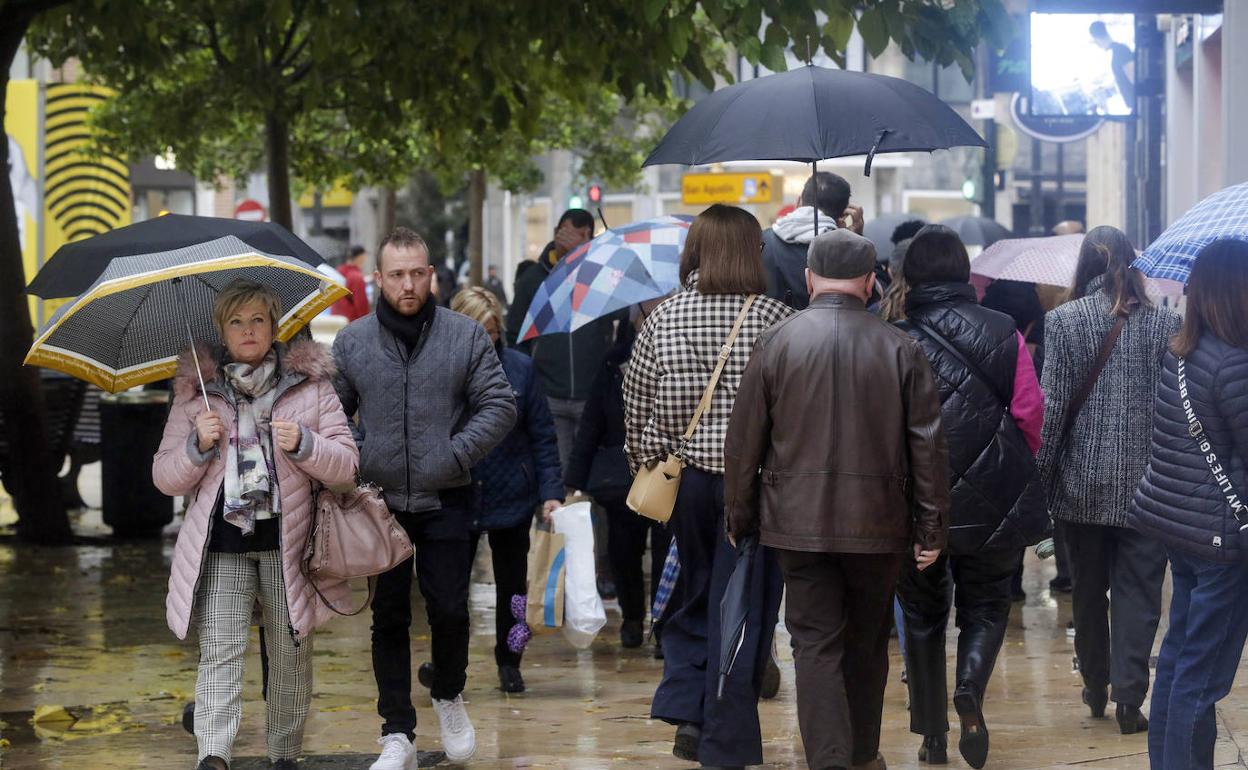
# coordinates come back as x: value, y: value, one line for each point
x: 887, y: 436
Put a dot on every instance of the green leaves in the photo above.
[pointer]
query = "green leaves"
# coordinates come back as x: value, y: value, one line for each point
x: 874, y: 30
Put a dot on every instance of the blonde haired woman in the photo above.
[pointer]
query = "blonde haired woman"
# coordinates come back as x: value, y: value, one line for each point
x: 248, y: 466
x: 515, y: 478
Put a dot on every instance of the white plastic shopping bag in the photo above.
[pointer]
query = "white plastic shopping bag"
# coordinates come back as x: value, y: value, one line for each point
x: 583, y: 613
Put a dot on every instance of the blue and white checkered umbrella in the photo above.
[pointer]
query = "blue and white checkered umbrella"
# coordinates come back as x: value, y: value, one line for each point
x: 622, y: 266
x: 1222, y: 215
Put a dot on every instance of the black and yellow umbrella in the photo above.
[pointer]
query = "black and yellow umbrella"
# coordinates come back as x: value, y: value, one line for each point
x: 130, y: 325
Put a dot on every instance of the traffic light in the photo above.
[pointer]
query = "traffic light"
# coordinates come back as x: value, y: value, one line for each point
x: 595, y: 193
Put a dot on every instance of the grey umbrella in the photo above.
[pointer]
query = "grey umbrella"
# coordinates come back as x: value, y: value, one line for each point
x: 879, y: 230
x: 977, y: 231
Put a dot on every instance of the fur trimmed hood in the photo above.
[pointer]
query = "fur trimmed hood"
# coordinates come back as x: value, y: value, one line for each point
x: 306, y: 357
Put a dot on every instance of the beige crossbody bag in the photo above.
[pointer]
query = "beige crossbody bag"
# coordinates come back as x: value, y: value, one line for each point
x: 653, y: 493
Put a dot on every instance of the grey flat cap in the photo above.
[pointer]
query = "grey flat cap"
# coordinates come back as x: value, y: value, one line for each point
x: 840, y: 254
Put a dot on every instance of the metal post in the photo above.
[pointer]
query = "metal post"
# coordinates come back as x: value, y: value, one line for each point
x: 1037, y: 189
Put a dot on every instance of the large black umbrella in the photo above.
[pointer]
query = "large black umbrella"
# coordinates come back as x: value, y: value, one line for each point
x: 734, y: 609
x: 978, y: 231
x: 810, y: 114
x: 75, y: 266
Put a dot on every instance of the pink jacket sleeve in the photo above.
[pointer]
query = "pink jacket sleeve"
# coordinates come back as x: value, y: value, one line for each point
x: 1027, y: 403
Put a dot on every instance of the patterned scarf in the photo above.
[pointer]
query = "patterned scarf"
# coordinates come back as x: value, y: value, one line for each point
x: 250, y: 491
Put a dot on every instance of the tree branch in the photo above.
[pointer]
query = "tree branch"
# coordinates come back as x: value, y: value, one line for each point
x: 280, y: 54
x: 214, y: 43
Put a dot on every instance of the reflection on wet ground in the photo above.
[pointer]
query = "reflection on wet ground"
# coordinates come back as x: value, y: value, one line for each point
x: 90, y: 677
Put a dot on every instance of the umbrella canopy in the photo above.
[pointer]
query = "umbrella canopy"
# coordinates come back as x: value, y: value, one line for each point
x: 621, y: 267
x: 75, y: 266
x: 812, y: 113
x: 879, y: 230
x: 1050, y: 260
x: 129, y: 327
x: 1222, y: 215
x: 734, y: 609
x: 977, y: 231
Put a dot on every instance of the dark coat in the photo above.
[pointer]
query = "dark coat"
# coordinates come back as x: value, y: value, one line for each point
x: 1177, y: 501
x: 998, y: 502
x: 566, y: 363
x: 598, y: 464
x: 785, y: 265
x: 523, y: 470
x: 859, y: 467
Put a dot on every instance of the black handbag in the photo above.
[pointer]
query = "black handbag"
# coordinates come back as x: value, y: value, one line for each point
x: 609, y: 475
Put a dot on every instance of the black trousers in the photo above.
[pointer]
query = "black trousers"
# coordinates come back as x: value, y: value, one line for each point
x: 731, y: 734
x: 509, y: 552
x: 1114, y: 636
x: 442, y: 566
x: 979, y: 586
x: 626, y: 545
x: 839, y: 611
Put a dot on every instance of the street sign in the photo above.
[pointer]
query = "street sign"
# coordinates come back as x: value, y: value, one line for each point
x: 250, y: 211
x: 984, y: 109
x: 1052, y: 129
x: 698, y: 189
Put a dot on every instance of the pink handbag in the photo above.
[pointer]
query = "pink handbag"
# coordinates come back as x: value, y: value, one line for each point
x: 353, y: 535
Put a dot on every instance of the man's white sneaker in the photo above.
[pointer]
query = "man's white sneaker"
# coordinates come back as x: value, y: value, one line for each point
x: 459, y: 738
x: 397, y: 753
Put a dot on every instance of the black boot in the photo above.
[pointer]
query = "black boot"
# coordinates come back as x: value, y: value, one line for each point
x: 424, y: 675
x: 631, y: 634
x: 1130, y: 720
x: 973, y: 744
x: 685, y: 747
x: 509, y: 679
x: 1096, y: 698
x: 771, y: 678
x: 935, y: 749
x: 212, y: 763
x: 283, y: 764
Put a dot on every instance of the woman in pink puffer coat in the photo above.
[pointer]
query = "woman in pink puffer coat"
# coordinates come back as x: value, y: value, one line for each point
x: 249, y: 468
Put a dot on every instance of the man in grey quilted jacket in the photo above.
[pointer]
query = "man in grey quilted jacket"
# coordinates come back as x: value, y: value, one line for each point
x: 430, y: 400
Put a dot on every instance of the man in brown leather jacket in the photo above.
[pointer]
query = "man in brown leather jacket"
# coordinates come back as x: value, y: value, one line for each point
x: 835, y: 458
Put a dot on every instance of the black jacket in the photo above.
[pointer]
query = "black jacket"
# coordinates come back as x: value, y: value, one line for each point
x: 997, y: 499
x: 1177, y: 501
x: 785, y: 265
x: 566, y: 363
x: 597, y: 463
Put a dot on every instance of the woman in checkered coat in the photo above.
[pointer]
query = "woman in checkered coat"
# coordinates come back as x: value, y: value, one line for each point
x: 673, y: 358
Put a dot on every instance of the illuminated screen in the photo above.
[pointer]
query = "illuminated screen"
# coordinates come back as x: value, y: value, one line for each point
x: 1083, y: 64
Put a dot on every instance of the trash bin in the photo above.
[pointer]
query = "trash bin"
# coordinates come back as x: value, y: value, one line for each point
x: 131, y: 425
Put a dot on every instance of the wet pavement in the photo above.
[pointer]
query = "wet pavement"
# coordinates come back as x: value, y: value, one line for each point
x: 90, y: 677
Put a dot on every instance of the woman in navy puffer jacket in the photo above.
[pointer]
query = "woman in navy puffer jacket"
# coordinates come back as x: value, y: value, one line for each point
x: 1181, y: 503
x: 513, y: 480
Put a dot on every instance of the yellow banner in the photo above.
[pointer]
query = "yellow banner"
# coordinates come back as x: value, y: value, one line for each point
x: 64, y: 192
x: 698, y: 189
x: 21, y: 128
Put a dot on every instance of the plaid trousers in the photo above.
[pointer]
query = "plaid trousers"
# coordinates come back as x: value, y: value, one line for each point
x: 229, y: 586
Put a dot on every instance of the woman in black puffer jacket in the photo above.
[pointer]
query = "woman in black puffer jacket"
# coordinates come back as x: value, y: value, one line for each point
x: 1181, y: 503
x: 991, y: 410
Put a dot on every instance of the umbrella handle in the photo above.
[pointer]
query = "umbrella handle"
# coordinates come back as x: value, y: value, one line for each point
x: 186, y: 320
x: 866, y: 171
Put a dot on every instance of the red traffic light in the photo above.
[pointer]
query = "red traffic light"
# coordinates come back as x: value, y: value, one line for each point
x: 595, y: 193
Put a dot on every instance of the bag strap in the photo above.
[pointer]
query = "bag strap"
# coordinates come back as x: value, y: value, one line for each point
x: 1196, y: 430
x: 970, y: 365
x: 724, y: 353
x: 372, y: 588
x: 1085, y: 390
